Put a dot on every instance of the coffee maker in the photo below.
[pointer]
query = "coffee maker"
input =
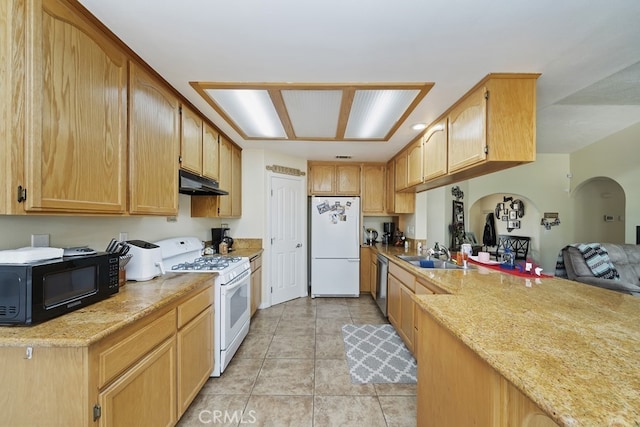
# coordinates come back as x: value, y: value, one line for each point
x: 388, y: 230
x: 218, y: 235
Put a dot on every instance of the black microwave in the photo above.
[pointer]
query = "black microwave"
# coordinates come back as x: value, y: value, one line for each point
x: 41, y: 290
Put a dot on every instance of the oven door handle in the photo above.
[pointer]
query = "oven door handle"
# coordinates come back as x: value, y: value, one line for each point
x: 237, y: 281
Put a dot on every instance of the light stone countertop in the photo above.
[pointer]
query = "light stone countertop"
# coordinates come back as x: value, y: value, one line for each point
x: 573, y: 349
x: 89, y: 324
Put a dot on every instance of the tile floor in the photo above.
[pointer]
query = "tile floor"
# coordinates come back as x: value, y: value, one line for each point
x: 291, y: 370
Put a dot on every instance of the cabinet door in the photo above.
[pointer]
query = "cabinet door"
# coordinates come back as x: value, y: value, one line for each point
x: 236, y: 182
x: 393, y: 300
x: 146, y: 394
x: 195, y: 357
x: 468, y: 131
x: 191, y: 141
x: 224, y: 202
x: 210, y: 149
x: 348, y: 180
x: 390, y: 204
x: 373, y: 275
x: 76, y: 129
x: 365, y: 263
x: 414, y: 163
x: 322, y: 179
x: 435, y: 151
x: 256, y: 289
x: 401, y: 172
x: 373, y: 188
x: 407, y: 316
x: 154, y: 139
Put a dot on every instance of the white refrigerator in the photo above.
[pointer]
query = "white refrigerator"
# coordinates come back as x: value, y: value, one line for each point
x: 335, y: 246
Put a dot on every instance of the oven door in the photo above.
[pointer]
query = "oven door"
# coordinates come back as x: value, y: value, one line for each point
x: 234, y: 308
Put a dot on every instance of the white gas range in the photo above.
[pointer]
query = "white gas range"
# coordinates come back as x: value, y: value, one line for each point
x: 231, y: 292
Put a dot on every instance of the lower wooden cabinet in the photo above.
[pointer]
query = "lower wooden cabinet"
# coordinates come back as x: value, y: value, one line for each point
x: 145, y: 394
x: 470, y: 392
x: 365, y: 269
x: 256, y: 283
x: 393, y: 300
x: 373, y: 274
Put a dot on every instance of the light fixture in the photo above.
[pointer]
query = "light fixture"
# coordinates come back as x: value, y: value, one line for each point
x: 419, y: 126
x: 314, y: 111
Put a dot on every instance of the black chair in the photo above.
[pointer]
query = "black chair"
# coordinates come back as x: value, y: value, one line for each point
x: 519, y: 245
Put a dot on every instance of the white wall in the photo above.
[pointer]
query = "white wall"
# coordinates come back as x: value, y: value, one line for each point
x: 97, y: 231
x: 616, y: 157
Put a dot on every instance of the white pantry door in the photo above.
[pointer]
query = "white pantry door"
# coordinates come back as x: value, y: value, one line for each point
x: 287, y: 231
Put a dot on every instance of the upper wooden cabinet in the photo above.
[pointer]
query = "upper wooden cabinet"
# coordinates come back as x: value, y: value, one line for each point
x: 397, y: 202
x: 414, y: 163
x: 154, y: 138
x: 210, y: 152
x: 494, y: 122
x: 230, y: 179
x: 434, y: 150
x: 401, y: 171
x: 334, y: 179
x: 373, y: 189
x: 191, y: 141
x: 68, y: 112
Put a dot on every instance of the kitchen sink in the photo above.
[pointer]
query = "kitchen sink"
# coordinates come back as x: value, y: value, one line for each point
x: 438, y: 264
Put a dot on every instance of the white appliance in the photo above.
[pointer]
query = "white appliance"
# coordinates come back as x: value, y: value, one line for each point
x: 335, y: 246
x: 231, y: 292
x: 146, y: 261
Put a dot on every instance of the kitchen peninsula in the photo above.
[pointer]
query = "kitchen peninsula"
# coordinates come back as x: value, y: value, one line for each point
x: 136, y: 358
x: 498, y: 349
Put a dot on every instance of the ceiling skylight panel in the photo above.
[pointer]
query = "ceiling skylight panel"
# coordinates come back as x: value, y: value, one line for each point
x: 313, y: 113
x: 252, y: 110
x: 375, y: 112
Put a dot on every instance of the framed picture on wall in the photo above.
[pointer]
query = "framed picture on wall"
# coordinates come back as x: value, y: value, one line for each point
x: 513, y: 214
x: 513, y: 224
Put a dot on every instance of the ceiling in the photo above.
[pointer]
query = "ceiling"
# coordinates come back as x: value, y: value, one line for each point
x: 587, y: 52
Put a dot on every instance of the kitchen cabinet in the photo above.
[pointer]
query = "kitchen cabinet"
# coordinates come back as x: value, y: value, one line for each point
x: 256, y: 283
x: 365, y: 269
x: 143, y: 373
x: 470, y: 391
x: 414, y: 163
x: 68, y: 83
x: 230, y: 180
x: 194, y: 347
x: 393, y: 301
x: 404, y: 284
x: 373, y: 188
x: 401, y: 171
x: 210, y: 150
x: 333, y: 179
x: 190, y: 140
x: 373, y: 274
x: 154, y: 140
x: 434, y: 150
x: 397, y: 202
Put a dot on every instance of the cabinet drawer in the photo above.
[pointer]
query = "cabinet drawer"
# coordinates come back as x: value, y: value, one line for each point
x: 190, y: 309
x: 407, y: 279
x: 119, y: 356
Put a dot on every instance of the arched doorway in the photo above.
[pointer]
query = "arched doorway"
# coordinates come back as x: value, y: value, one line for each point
x: 599, y: 211
x: 529, y: 223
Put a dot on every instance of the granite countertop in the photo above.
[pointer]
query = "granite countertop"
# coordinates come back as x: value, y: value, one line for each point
x: 573, y: 349
x: 87, y: 325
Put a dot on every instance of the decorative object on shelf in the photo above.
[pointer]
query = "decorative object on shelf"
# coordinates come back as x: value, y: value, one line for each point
x: 286, y: 170
x: 457, y: 193
x: 550, y: 219
x: 457, y: 226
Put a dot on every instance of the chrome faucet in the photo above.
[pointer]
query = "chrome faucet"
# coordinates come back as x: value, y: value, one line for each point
x: 437, y: 251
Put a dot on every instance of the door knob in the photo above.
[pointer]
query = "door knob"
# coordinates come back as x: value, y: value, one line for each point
x: 299, y: 245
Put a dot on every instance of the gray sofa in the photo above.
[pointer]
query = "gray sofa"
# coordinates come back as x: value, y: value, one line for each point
x: 625, y: 258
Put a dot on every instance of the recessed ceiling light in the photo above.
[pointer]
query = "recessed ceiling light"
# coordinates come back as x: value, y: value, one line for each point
x: 419, y: 126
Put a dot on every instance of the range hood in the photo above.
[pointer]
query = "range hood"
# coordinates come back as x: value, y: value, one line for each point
x: 195, y: 185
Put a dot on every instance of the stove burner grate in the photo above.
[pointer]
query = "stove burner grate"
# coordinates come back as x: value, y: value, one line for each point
x: 207, y: 263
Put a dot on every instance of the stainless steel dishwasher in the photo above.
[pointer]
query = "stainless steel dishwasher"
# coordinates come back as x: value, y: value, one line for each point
x: 381, y: 284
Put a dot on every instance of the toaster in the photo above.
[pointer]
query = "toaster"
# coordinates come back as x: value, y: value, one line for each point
x: 146, y: 262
